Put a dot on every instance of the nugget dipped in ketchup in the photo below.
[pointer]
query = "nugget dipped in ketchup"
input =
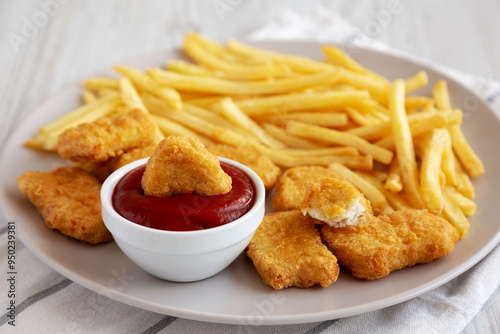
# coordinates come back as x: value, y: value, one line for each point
x: 183, y: 187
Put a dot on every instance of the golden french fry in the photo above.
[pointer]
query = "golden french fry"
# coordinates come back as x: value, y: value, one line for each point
x: 377, y: 199
x: 378, y: 89
x: 145, y: 82
x: 280, y: 104
x: 97, y: 83
x: 325, y: 119
x: 417, y: 81
x: 430, y: 170
x: 288, y: 139
x: 393, y: 182
x: 231, y: 111
x: 48, y: 135
x: 467, y: 206
x: 244, y: 72
x: 222, y: 86
x: 464, y: 152
x: 464, y: 184
x: 129, y: 95
x: 171, y: 128
x: 404, y: 144
x: 447, y: 163
x: 397, y: 201
x: 455, y: 216
x: 441, y: 96
x: 340, y: 138
x: 88, y: 96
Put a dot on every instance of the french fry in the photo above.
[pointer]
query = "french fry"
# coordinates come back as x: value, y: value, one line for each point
x: 467, y: 206
x: 288, y: 139
x: 325, y: 119
x: 377, y: 199
x: 222, y: 86
x: 447, y: 163
x: 98, y: 83
x: 396, y: 201
x: 455, y: 216
x: 280, y: 104
x: 415, y: 128
x: 404, y: 144
x: 464, y: 152
x: 231, y: 111
x: 342, y: 59
x: 48, y: 135
x: 464, y: 184
x: 145, y: 82
x: 393, y: 182
x: 415, y: 82
x: 129, y: 95
x: 340, y: 138
x: 202, y: 56
x: 430, y: 170
x: 441, y: 96
x: 88, y: 96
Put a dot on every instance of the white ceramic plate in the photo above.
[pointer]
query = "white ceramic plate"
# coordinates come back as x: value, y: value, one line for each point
x: 237, y: 295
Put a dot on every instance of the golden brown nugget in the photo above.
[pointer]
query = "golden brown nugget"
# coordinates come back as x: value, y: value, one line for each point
x: 133, y: 155
x: 182, y: 164
x: 68, y: 198
x: 107, y: 137
x: 287, y: 251
x: 260, y: 164
x: 292, y: 186
x: 391, y: 242
x: 102, y: 169
x: 336, y: 202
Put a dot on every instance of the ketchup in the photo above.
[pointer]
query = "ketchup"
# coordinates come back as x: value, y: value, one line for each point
x: 183, y: 212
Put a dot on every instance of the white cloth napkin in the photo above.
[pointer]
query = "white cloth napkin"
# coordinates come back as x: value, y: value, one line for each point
x: 48, y: 302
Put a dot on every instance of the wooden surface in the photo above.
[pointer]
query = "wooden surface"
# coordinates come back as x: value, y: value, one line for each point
x: 47, y: 44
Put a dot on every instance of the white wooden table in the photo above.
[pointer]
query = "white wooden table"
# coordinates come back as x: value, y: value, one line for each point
x: 46, y: 44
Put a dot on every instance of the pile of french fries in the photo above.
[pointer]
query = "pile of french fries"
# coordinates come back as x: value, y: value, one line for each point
x: 402, y: 151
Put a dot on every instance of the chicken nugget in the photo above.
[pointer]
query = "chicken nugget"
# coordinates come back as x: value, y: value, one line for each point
x: 335, y: 202
x: 107, y: 137
x: 390, y: 242
x: 68, y: 198
x: 287, y: 251
x: 133, y: 155
x: 182, y: 164
x: 292, y: 186
x: 260, y: 164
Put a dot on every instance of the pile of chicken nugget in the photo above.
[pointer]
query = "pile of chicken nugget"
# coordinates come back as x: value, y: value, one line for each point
x: 362, y: 172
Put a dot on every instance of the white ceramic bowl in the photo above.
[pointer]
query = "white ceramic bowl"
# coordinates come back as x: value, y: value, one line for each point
x: 182, y: 256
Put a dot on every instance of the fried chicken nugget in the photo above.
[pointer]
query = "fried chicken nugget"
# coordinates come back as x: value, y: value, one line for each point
x: 391, y: 242
x: 102, y: 169
x: 68, y: 198
x: 292, y: 186
x: 287, y: 251
x: 260, y: 164
x: 336, y: 202
x: 182, y: 164
x: 107, y: 137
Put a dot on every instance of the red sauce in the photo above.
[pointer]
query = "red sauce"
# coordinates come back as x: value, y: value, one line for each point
x: 184, y: 212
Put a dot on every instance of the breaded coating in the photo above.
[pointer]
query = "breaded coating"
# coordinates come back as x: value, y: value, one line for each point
x: 287, y: 251
x: 293, y: 184
x: 336, y: 202
x: 68, y: 198
x: 107, y: 137
x: 259, y: 163
x: 102, y: 169
x: 182, y: 164
x: 133, y: 155
x: 391, y: 242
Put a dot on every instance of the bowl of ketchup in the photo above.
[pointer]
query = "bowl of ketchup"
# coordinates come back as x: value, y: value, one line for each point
x: 185, y: 237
